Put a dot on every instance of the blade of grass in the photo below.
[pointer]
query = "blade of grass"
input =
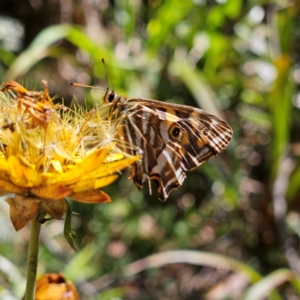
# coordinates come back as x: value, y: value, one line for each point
x: 263, y: 288
x: 280, y: 107
x: 37, y: 50
x: 80, y: 266
x: 13, y: 275
x: 197, y: 85
x: 193, y: 257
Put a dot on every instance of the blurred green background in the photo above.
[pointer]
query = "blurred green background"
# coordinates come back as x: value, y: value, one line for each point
x: 238, y: 215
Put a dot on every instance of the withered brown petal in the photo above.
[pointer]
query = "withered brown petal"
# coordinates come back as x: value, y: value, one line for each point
x: 55, y: 209
x: 22, y: 210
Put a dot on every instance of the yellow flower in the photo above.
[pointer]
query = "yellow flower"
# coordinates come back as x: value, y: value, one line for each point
x: 49, y: 152
x: 54, y: 286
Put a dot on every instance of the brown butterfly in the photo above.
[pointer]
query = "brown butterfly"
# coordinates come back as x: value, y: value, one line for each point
x: 174, y: 138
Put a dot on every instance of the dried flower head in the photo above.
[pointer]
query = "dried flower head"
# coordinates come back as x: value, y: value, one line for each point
x: 49, y: 152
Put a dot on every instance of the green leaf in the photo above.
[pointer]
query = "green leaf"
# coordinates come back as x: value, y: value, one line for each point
x: 293, y: 186
x: 69, y: 235
x: 161, y: 26
x: 233, y: 8
x: 116, y: 293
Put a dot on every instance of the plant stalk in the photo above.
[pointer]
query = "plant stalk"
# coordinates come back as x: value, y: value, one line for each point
x: 33, y: 252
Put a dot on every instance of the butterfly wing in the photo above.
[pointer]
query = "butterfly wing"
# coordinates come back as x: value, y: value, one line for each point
x: 174, y: 139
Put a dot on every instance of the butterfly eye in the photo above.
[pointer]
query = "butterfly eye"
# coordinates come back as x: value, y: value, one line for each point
x: 111, y: 96
x: 175, y: 132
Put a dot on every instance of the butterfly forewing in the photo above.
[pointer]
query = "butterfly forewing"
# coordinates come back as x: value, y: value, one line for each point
x: 174, y: 138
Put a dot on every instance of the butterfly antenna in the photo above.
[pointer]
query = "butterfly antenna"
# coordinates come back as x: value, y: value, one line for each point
x: 86, y: 86
x: 107, y: 73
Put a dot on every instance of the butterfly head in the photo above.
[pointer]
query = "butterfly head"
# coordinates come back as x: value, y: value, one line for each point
x: 109, y: 96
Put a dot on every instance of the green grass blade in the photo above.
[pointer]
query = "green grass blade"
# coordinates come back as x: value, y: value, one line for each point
x: 195, y: 258
x: 37, y: 50
x: 266, y: 285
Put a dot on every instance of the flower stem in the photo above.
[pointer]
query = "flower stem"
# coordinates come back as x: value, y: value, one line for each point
x: 33, y: 256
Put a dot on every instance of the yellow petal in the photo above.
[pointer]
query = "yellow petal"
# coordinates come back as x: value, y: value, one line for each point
x: 52, y: 192
x: 95, y: 196
x: 92, y: 184
x: 114, y: 157
x: 89, y: 164
x: 21, y: 174
x: 22, y: 210
x: 11, y: 188
x: 4, y: 167
x: 55, y: 209
x: 55, y: 287
x: 113, y: 167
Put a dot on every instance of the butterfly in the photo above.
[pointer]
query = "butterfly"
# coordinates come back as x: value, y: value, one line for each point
x: 173, y: 138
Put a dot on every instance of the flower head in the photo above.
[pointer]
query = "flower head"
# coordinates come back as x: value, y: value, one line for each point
x: 54, y: 286
x: 49, y: 152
